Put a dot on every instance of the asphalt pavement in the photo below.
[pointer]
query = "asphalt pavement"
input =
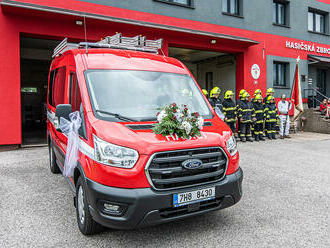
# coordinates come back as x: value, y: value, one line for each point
x: 286, y: 203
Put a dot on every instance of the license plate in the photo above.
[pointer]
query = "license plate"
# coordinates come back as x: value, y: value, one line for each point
x: 193, y: 196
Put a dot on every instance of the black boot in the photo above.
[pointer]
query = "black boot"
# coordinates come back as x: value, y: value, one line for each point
x: 249, y: 139
x: 273, y: 136
x: 256, y: 138
x: 243, y: 139
x: 261, y: 137
x: 269, y: 136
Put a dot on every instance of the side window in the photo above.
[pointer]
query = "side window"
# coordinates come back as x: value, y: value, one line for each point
x: 59, y: 86
x: 50, y: 88
x: 75, y: 98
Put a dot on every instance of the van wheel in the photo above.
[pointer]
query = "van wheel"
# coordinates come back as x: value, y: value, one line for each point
x: 52, y: 161
x: 86, y: 224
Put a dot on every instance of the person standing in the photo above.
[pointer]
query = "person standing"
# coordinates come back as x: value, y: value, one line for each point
x: 271, y: 117
x: 215, y: 98
x: 260, y: 116
x: 246, y: 116
x: 240, y: 97
x: 283, y: 108
x: 229, y: 110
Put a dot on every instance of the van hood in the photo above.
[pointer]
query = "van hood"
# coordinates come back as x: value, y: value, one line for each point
x: 147, y: 142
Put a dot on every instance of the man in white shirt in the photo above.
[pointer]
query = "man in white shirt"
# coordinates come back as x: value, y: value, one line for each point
x: 283, y: 109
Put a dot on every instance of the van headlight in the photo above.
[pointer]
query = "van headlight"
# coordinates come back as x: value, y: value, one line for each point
x: 114, y: 155
x: 232, y: 145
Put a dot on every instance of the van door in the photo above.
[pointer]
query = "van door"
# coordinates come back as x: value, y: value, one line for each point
x: 59, y: 96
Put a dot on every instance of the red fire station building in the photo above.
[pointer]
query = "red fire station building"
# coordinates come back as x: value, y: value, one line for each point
x: 233, y: 44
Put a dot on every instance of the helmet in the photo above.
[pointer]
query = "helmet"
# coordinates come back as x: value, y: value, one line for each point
x: 270, y: 90
x: 205, y: 92
x: 257, y: 92
x: 242, y: 92
x: 269, y: 98
x: 228, y: 94
x: 215, y: 90
x: 257, y: 97
x: 245, y: 95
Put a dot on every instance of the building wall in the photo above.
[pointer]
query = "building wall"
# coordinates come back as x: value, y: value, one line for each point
x: 303, y: 70
x: 257, y: 15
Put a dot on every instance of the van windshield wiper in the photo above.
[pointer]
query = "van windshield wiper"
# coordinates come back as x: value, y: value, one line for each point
x: 118, y: 116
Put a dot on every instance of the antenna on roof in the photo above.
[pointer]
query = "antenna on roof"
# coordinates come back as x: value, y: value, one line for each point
x: 85, y: 30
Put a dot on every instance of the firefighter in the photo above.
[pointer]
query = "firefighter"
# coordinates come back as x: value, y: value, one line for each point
x: 241, y: 92
x: 271, y: 117
x: 259, y: 112
x: 205, y: 92
x: 229, y: 110
x: 215, y: 98
x: 270, y: 92
x: 240, y: 96
x: 246, y: 116
x: 256, y: 92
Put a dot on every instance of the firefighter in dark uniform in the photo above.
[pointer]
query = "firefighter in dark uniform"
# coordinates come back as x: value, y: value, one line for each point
x: 271, y: 117
x: 260, y: 117
x: 215, y: 98
x: 240, y: 96
x: 229, y: 110
x: 256, y: 92
x: 246, y: 116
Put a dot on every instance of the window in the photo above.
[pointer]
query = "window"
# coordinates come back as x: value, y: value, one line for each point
x: 280, y: 74
x: 50, y: 87
x: 280, y: 12
x: 29, y: 90
x: 231, y: 7
x: 185, y: 3
x: 316, y: 21
x: 59, y: 86
x: 75, y: 98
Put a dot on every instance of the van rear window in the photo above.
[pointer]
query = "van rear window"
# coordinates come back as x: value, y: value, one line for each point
x: 59, y: 86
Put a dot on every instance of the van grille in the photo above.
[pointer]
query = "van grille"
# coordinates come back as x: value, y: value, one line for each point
x: 166, y: 172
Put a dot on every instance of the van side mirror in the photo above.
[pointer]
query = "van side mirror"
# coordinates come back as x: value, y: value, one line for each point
x: 62, y: 110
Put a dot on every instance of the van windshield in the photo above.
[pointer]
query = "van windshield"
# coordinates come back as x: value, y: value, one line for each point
x: 138, y: 95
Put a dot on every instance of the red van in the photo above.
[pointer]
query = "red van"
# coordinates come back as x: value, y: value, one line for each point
x: 126, y: 175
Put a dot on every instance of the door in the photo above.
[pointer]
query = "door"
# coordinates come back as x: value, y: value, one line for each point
x: 321, y: 82
x: 57, y: 95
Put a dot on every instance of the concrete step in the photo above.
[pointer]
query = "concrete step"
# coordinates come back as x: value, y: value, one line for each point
x: 315, y: 122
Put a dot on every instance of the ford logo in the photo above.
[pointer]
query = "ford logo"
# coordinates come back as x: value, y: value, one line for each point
x: 191, y: 164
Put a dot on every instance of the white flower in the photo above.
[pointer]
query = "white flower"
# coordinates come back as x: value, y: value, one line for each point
x: 178, y: 116
x: 161, y: 116
x: 200, y: 122
x: 185, y: 125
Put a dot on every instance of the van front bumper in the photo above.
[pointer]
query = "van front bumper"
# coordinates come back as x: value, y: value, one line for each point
x: 145, y: 207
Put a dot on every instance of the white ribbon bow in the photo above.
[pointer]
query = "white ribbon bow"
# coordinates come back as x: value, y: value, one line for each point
x: 70, y: 128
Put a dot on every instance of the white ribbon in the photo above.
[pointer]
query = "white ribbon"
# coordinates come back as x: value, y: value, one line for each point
x: 70, y: 128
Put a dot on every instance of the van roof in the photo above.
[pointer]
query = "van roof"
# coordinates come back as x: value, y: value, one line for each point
x: 118, y: 59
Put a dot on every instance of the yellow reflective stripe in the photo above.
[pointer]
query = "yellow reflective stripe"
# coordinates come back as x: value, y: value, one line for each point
x: 247, y: 110
x: 229, y: 109
x: 259, y: 111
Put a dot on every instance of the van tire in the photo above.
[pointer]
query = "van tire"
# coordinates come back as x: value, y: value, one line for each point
x: 52, y: 161
x: 86, y: 224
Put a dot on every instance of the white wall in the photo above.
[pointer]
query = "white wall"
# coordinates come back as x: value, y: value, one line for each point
x: 224, y: 73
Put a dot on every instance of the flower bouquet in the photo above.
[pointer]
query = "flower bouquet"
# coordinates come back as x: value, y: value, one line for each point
x: 174, y: 119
